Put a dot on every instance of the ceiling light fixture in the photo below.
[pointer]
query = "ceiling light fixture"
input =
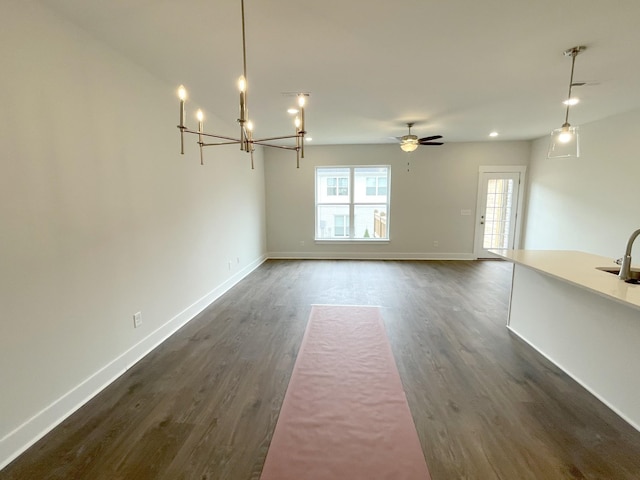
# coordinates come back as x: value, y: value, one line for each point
x: 572, y: 101
x: 493, y: 134
x: 246, y: 141
x: 564, y: 140
x: 409, y: 143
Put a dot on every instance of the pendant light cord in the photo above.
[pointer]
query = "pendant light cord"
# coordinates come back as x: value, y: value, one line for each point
x: 574, y: 54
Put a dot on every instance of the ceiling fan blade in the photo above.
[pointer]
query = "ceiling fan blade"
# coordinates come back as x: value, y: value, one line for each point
x: 431, y: 143
x: 426, y: 139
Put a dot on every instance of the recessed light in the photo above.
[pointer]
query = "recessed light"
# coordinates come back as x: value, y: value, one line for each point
x: 308, y: 139
x: 493, y: 134
x: 572, y: 101
x: 293, y: 111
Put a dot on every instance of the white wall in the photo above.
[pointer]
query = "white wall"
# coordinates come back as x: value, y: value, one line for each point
x: 425, y: 201
x: 101, y: 218
x: 589, y: 203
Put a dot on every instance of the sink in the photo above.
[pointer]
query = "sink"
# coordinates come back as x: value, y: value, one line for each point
x: 635, y: 274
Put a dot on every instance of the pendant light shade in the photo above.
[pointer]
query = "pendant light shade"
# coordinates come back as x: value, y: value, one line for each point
x: 565, y: 141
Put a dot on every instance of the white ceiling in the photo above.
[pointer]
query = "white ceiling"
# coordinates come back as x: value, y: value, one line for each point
x: 458, y: 68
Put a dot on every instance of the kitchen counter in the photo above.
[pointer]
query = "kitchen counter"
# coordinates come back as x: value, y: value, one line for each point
x: 584, y: 320
x: 577, y: 268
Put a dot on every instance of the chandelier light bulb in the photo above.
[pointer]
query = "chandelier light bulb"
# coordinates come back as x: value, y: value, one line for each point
x: 250, y: 125
x: 297, y: 122
x: 182, y: 93
x: 200, y: 115
x: 301, y: 101
x: 242, y: 83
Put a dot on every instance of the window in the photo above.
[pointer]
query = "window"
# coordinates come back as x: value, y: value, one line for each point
x: 352, y: 203
x: 337, y: 186
x: 376, y: 185
x: 341, y: 225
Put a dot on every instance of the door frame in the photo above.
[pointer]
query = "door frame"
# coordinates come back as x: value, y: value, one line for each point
x: 522, y: 170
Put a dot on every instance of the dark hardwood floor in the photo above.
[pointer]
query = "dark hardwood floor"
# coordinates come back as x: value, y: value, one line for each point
x: 204, y: 404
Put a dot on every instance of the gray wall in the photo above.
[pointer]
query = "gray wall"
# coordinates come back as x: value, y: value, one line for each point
x: 425, y: 201
x: 101, y: 218
x: 590, y: 203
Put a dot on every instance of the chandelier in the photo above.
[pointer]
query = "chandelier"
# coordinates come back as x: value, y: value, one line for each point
x: 246, y: 139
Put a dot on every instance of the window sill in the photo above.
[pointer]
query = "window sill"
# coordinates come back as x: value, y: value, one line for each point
x: 360, y: 241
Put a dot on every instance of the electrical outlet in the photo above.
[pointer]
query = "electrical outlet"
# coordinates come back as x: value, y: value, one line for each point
x: 137, y: 319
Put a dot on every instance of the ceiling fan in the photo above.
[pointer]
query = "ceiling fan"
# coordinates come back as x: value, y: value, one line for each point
x: 409, y: 143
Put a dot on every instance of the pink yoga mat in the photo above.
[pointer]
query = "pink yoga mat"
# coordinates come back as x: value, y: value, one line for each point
x: 345, y: 414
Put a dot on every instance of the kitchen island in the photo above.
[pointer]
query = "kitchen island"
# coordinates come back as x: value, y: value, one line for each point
x: 585, y: 320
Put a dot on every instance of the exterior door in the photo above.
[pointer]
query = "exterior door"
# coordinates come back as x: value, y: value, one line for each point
x: 498, y: 197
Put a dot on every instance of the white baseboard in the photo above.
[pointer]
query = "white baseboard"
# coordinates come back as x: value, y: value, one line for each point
x: 368, y: 256
x: 22, y: 437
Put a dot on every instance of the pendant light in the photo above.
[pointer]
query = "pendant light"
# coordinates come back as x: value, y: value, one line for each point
x: 565, y: 140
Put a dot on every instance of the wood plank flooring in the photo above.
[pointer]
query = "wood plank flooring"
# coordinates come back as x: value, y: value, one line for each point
x: 204, y: 404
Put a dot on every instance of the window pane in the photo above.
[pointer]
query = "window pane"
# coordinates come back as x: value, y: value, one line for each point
x: 371, y: 186
x: 332, y: 185
x: 331, y: 218
x: 382, y: 186
x: 367, y: 181
x: 370, y: 221
x: 341, y: 225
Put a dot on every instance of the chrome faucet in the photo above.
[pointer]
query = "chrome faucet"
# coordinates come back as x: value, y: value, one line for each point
x: 625, y: 268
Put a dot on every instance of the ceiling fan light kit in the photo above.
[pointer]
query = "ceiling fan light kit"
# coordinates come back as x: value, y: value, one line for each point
x: 409, y: 142
x: 565, y: 140
x: 246, y: 141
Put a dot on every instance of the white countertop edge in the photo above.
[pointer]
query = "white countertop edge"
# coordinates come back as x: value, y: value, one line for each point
x: 579, y: 269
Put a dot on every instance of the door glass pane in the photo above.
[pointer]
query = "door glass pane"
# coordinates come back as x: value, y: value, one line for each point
x: 498, y: 213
